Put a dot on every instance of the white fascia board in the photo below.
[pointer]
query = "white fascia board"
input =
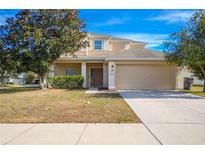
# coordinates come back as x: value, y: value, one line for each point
x: 108, y: 59
x: 93, y: 58
x: 125, y: 41
x: 83, y: 58
x: 104, y: 36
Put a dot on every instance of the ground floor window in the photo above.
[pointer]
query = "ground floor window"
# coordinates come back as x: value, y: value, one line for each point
x: 71, y: 71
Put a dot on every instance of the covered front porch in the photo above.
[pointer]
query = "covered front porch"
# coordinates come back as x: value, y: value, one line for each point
x: 95, y: 73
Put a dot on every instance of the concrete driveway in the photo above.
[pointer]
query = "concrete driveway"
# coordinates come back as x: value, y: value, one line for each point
x: 172, y: 117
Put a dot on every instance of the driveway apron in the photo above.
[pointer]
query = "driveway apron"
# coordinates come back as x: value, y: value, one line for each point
x: 173, y: 117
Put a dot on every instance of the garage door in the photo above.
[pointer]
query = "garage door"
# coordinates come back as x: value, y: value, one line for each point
x: 145, y: 77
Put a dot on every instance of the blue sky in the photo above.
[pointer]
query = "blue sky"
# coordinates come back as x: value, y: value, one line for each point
x: 151, y: 26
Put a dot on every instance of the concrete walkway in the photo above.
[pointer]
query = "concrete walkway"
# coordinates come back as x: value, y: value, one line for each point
x: 75, y: 134
x: 172, y: 117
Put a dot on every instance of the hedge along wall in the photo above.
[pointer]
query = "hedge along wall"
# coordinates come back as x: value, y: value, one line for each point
x: 69, y: 82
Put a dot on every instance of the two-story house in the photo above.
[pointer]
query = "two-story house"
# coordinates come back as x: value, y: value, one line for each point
x: 118, y: 63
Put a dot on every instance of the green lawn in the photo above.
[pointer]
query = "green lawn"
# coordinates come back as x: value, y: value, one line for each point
x: 196, y: 90
x: 32, y: 105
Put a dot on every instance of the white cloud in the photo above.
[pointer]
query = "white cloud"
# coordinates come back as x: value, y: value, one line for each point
x: 112, y: 21
x: 173, y: 16
x: 153, y: 40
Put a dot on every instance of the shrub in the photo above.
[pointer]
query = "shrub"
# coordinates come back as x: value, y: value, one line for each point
x: 30, y: 77
x: 69, y: 82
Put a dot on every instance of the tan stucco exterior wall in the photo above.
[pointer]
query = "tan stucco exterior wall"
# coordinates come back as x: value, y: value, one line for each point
x: 106, y: 45
x: 140, y: 62
x: 110, y: 45
x: 60, y: 68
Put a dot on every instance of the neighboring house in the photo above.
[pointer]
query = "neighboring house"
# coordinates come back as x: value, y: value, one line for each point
x: 20, y: 79
x: 187, y: 73
x: 118, y: 63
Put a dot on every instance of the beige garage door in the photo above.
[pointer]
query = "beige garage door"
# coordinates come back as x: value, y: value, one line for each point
x: 145, y: 77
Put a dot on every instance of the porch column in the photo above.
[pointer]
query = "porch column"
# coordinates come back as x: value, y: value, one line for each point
x: 83, y: 73
x: 111, y: 75
x: 105, y: 75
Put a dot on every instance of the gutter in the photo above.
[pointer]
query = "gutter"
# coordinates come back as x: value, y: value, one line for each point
x: 108, y: 59
x: 114, y: 59
x: 83, y: 59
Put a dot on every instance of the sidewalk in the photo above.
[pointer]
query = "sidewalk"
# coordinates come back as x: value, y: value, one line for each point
x: 72, y: 133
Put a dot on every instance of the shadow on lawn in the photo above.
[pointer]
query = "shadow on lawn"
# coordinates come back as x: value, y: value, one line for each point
x: 157, y: 94
x: 106, y: 95
x: 17, y: 90
x: 199, y: 93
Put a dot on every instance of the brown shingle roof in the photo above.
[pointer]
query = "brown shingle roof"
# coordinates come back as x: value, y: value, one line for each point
x: 137, y: 52
x: 125, y: 40
x: 134, y: 52
x: 114, y: 38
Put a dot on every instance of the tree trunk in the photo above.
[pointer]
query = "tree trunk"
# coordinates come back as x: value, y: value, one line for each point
x: 203, y: 71
x: 42, y: 77
x: 2, y: 79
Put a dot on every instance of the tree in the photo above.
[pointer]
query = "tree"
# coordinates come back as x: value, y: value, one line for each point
x: 187, y: 47
x: 8, y: 57
x: 44, y: 35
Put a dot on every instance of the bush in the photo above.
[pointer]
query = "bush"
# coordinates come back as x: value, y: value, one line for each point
x: 30, y: 77
x: 69, y: 82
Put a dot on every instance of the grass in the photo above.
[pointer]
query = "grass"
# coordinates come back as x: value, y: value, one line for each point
x: 196, y: 90
x: 32, y: 105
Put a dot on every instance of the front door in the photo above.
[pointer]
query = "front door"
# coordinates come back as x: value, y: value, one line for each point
x: 96, y: 77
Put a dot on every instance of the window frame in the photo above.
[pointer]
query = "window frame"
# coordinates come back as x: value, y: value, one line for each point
x: 73, y: 70
x: 99, y: 45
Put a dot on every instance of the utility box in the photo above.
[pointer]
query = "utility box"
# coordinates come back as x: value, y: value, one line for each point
x: 188, y: 83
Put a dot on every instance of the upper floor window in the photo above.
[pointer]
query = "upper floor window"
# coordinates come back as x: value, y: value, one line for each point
x: 98, y: 45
